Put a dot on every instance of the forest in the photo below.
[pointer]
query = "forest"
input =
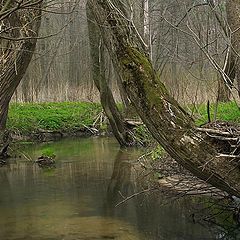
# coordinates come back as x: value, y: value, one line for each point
x: 119, y: 119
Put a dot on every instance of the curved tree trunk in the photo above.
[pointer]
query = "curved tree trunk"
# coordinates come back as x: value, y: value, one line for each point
x: 169, y: 124
x: 115, y: 118
x: 15, y: 55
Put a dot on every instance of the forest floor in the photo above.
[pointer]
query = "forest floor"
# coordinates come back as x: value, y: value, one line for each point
x: 39, y: 121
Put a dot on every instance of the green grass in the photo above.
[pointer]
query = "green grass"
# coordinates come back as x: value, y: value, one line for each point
x: 64, y: 116
x: 226, y: 111
x: 70, y: 116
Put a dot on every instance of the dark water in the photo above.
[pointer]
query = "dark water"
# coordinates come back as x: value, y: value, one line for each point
x: 76, y: 200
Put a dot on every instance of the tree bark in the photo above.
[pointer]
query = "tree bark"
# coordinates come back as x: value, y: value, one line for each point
x: 168, y: 122
x: 16, y: 54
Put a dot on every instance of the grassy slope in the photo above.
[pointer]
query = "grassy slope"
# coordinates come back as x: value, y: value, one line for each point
x: 65, y: 116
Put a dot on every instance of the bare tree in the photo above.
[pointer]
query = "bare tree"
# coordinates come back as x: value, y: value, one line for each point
x: 18, y: 40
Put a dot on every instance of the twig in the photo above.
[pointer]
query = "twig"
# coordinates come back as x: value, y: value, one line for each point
x: 135, y: 195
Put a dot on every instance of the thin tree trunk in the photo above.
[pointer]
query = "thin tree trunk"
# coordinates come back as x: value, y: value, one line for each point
x: 107, y: 100
x: 169, y: 124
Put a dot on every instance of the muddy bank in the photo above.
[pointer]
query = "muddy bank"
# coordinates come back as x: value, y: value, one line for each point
x: 172, y: 180
x: 42, y: 135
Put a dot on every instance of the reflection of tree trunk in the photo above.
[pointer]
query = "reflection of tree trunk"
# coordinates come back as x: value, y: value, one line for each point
x: 107, y: 100
x: 121, y: 176
x: 7, y: 199
x: 120, y: 183
x: 169, y: 124
x: 15, y: 59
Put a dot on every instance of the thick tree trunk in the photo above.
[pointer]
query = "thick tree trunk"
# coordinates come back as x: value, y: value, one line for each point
x: 169, y: 124
x: 16, y: 55
x: 98, y: 72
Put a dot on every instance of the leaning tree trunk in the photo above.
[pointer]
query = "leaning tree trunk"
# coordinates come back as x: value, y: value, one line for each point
x: 169, y: 124
x: 17, y: 46
x: 115, y: 118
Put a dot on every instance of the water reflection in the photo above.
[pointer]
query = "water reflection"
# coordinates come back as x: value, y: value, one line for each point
x: 76, y: 200
x: 120, y: 183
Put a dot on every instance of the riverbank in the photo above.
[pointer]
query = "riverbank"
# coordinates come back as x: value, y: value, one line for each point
x: 50, y: 121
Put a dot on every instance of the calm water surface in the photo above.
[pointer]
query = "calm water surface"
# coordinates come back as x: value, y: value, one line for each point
x: 76, y: 200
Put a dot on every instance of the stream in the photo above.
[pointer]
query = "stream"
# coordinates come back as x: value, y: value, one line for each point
x: 76, y: 200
